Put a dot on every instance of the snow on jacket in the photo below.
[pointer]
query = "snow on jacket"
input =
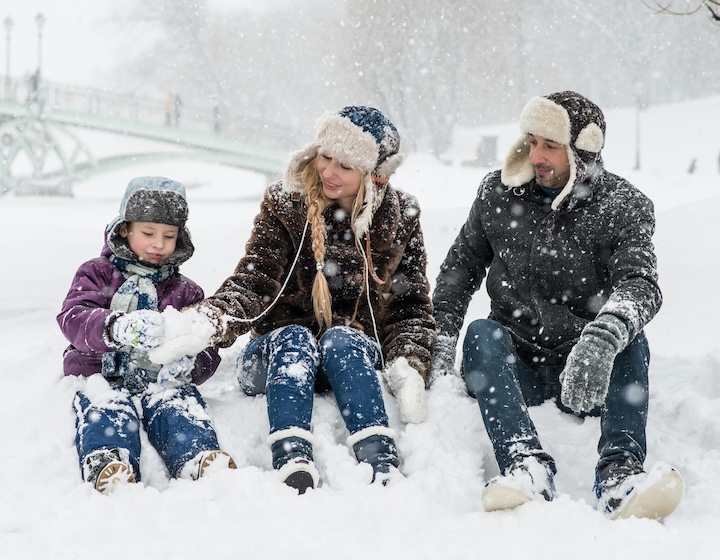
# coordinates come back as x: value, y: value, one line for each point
x: 550, y: 272
x: 401, y: 307
x: 86, y: 315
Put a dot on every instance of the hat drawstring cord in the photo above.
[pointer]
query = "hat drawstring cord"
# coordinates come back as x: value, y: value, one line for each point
x: 287, y: 279
x: 369, y: 302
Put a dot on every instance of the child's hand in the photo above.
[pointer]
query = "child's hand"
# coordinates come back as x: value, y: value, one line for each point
x: 142, y: 329
x: 177, y: 373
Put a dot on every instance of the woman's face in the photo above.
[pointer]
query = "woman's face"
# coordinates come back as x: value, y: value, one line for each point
x: 340, y: 182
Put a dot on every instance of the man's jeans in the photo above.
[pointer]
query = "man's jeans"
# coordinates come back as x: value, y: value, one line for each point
x: 289, y: 363
x: 504, y: 387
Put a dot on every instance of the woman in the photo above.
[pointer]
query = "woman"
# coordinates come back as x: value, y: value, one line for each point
x: 333, y: 286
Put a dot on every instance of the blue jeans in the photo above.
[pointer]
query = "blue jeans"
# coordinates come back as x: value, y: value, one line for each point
x: 175, y: 420
x: 289, y: 364
x: 505, y: 386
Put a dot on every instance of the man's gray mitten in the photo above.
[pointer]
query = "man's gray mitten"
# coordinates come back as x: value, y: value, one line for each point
x: 443, y: 358
x: 586, y: 376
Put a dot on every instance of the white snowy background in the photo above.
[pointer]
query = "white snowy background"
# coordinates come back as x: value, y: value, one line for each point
x: 46, y: 511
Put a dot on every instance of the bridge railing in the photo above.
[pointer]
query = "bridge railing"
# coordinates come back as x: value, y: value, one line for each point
x: 188, y: 116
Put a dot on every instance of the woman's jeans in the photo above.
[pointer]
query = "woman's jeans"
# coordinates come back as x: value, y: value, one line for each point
x: 289, y: 364
x: 505, y: 386
x: 175, y: 420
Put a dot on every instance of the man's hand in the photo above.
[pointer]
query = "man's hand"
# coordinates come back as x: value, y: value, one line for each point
x: 443, y: 359
x: 586, y: 376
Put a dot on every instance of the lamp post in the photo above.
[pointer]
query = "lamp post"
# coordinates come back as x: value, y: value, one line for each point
x: 639, y: 93
x: 40, y: 21
x: 8, y: 28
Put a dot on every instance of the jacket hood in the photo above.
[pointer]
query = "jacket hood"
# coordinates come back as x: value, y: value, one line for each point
x: 157, y: 200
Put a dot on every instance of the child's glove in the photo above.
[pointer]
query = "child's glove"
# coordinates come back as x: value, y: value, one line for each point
x: 408, y: 386
x: 443, y: 360
x: 143, y: 329
x: 586, y: 376
x: 177, y: 373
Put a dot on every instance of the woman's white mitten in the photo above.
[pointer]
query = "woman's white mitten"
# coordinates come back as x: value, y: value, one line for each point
x: 408, y: 386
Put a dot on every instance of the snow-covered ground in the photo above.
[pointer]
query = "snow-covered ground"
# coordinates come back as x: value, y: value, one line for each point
x: 435, y: 513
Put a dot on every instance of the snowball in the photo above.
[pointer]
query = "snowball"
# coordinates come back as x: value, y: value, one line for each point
x: 187, y: 333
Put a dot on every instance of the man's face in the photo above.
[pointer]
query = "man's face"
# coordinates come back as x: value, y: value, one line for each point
x: 550, y: 161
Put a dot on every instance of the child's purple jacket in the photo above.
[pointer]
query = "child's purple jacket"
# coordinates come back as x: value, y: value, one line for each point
x: 86, y: 314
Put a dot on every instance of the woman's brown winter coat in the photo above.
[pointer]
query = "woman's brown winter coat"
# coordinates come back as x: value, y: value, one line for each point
x: 401, y: 306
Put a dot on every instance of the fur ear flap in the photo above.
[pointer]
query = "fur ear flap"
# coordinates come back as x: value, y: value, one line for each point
x: 567, y: 189
x: 390, y: 165
x: 590, y: 139
x: 298, y: 162
x: 364, y: 218
x: 517, y: 169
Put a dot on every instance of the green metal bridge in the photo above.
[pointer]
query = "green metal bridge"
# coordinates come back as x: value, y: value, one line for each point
x: 41, y: 150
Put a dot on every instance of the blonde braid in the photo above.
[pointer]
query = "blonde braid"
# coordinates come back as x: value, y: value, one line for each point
x: 316, y: 204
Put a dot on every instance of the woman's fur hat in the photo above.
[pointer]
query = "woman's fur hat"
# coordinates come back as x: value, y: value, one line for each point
x: 567, y: 118
x: 361, y: 137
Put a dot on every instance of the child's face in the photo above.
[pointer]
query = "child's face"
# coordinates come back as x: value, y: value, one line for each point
x: 151, y: 242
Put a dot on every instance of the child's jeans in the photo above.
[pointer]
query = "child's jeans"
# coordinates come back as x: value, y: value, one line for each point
x: 175, y: 420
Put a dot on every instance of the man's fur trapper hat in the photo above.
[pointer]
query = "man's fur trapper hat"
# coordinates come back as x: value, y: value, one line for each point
x: 358, y: 136
x: 567, y: 118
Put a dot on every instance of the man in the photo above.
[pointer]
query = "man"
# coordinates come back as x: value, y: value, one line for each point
x: 571, y: 273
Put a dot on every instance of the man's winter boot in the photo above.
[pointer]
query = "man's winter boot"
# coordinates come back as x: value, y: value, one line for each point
x: 528, y: 478
x: 376, y: 447
x: 206, y: 461
x: 625, y: 490
x: 292, y: 457
x: 107, y: 468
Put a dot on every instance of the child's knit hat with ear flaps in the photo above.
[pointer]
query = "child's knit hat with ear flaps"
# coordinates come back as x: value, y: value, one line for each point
x: 361, y: 137
x: 157, y: 200
x: 567, y: 118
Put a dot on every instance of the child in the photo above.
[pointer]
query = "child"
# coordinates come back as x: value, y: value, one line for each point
x: 111, y: 318
x: 333, y: 286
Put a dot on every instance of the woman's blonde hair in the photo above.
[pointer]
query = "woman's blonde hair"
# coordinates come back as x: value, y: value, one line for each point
x: 316, y: 203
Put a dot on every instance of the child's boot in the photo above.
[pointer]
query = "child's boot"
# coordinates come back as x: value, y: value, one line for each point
x: 375, y: 446
x: 107, y: 468
x: 292, y: 457
x: 206, y: 461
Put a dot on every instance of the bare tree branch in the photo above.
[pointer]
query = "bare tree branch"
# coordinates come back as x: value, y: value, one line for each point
x: 665, y: 7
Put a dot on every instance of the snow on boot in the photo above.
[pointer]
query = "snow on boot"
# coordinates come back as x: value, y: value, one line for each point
x: 525, y: 480
x: 292, y: 457
x: 625, y: 490
x: 206, y: 462
x: 376, y: 447
x: 107, y: 468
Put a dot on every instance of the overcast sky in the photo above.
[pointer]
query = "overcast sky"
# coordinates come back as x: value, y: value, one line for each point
x: 76, y: 40
x: 71, y: 39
